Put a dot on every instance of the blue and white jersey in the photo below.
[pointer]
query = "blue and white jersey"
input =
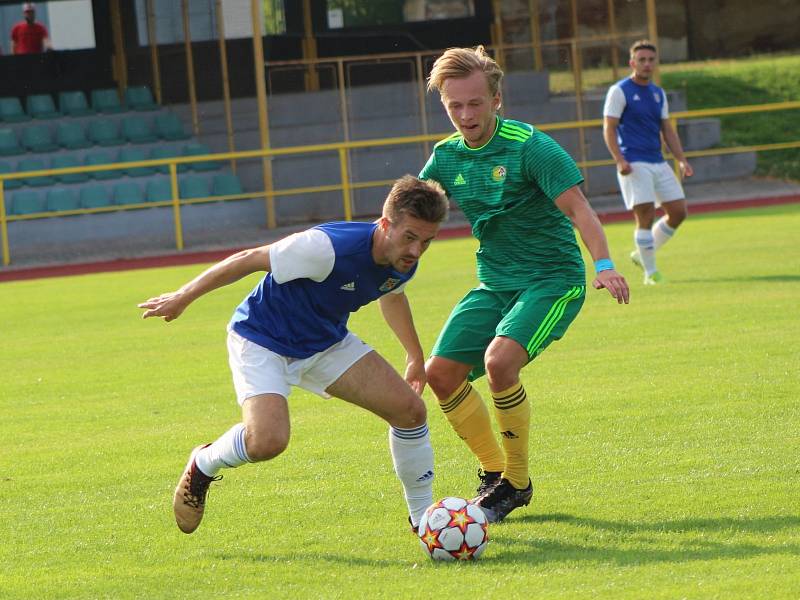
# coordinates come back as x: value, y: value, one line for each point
x: 640, y: 110
x: 317, y: 278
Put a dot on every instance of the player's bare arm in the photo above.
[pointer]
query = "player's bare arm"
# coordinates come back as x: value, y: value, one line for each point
x: 673, y: 142
x: 396, y: 312
x: 574, y: 204
x: 170, y: 305
x: 610, y: 136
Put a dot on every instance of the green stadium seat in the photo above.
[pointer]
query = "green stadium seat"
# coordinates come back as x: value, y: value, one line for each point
x: 71, y: 135
x: 37, y: 138
x: 41, y: 106
x: 140, y: 98
x: 102, y: 157
x: 226, y: 184
x: 193, y: 186
x: 167, y: 152
x: 159, y: 190
x: 11, y: 110
x: 9, y: 145
x: 106, y: 101
x: 74, y: 104
x: 137, y: 130
x: 26, y: 202
x: 105, y: 132
x: 63, y: 161
x: 9, y: 184
x: 134, y: 155
x: 62, y: 199
x: 94, y: 196
x: 195, y: 149
x: 168, y: 126
x: 127, y: 192
x: 35, y: 164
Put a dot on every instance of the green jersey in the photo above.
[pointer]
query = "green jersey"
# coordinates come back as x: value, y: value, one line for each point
x: 506, y: 189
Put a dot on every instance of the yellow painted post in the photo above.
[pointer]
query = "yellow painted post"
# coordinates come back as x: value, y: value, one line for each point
x: 652, y: 31
x: 176, y: 205
x: 343, y: 99
x: 152, y: 38
x: 4, y: 224
x: 344, y: 170
x: 497, y: 32
x: 423, y: 108
x: 263, y: 125
x: 612, y: 29
x: 577, y: 76
x: 187, y: 44
x: 310, y: 49
x: 118, y: 60
x: 226, y: 88
x: 536, y: 34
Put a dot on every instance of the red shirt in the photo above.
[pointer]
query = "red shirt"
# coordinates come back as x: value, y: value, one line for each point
x: 29, y: 39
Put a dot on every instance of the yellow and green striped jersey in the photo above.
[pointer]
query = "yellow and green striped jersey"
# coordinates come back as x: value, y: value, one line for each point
x: 506, y: 189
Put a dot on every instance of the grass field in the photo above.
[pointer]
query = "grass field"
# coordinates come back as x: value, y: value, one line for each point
x: 665, y: 444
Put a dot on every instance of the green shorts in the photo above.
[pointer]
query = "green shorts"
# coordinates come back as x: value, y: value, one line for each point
x: 533, y: 317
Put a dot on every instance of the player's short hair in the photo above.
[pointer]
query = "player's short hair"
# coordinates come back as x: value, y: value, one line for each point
x: 642, y: 45
x: 424, y: 200
x: 462, y: 62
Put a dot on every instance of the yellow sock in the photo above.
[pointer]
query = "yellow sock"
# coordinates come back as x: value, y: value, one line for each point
x: 513, y: 412
x: 467, y: 413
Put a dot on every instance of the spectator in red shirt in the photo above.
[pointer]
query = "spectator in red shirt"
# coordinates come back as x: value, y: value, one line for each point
x: 28, y: 36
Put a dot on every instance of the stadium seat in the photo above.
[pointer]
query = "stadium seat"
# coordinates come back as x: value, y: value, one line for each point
x: 62, y: 199
x: 9, y: 184
x: 34, y: 164
x: 71, y: 135
x: 140, y: 98
x: 105, y: 132
x: 127, y: 192
x: 226, y: 184
x: 41, y: 106
x: 74, y: 104
x: 193, y: 186
x: 102, y: 157
x: 25, y: 202
x: 63, y: 161
x: 166, y: 152
x: 133, y: 155
x: 9, y: 145
x: 37, y: 138
x: 168, y: 126
x: 11, y: 110
x: 106, y: 101
x: 137, y: 130
x: 94, y: 196
x: 159, y: 190
x: 195, y: 149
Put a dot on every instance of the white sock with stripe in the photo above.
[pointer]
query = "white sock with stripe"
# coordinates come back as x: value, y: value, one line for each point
x: 412, y: 457
x: 662, y: 233
x: 228, y: 451
x: 644, y: 243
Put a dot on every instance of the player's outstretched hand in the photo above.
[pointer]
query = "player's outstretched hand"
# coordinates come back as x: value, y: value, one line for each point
x: 614, y: 283
x: 169, y: 306
x: 415, y: 376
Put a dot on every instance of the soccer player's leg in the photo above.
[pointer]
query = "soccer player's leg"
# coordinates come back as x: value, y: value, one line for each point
x: 670, y: 193
x: 639, y: 193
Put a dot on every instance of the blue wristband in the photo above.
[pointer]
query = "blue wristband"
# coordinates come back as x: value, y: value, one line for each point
x: 604, y: 264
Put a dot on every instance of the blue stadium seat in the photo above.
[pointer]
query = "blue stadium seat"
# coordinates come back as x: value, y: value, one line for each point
x: 95, y: 196
x: 106, y: 101
x: 26, y: 202
x: 41, y: 106
x: 9, y: 145
x: 195, y: 149
x: 9, y: 184
x: 127, y: 192
x: 74, y: 104
x: 226, y: 184
x: 137, y: 130
x: 34, y: 164
x: 140, y: 98
x: 37, y: 138
x: 63, y: 161
x: 11, y: 110
x: 168, y: 126
x: 71, y: 135
x: 105, y: 132
x: 102, y: 157
x: 164, y: 151
x: 193, y: 186
x: 128, y: 154
x: 62, y: 199
x: 159, y: 190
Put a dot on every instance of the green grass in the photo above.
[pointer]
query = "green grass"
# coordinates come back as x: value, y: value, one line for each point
x: 664, y: 447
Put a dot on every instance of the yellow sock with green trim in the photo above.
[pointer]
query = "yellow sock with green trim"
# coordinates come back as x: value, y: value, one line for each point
x: 469, y: 417
x: 513, y: 412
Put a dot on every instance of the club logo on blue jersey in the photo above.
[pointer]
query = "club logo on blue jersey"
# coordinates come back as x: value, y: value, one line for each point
x: 389, y: 284
x: 657, y: 97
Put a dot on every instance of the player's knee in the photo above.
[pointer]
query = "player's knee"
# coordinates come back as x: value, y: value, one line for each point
x: 266, y: 445
x: 500, y: 372
x: 411, y: 413
x: 677, y: 216
x: 440, y: 380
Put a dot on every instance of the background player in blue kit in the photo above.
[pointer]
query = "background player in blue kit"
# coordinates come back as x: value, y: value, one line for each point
x: 292, y: 330
x: 636, y: 115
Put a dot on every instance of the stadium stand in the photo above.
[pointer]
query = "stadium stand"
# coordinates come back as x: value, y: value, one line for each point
x: 94, y: 196
x: 102, y: 157
x: 11, y: 111
x: 140, y: 98
x: 41, y: 106
x: 34, y: 164
x: 71, y: 135
x: 196, y: 149
x: 106, y: 101
x: 163, y: 151
x: 226, y: 184
x: 62, y: 199
x: 128, y: 154
x: 9, y: 145
x: 105, y: 132
x: 37, y: 138
x: 10, y: 184
x: 127, y: 192
x: 25, y: 202
x: 169, y: 127
x: 137, y: 130
x: 63, y: 161
x: 74, y: 104
x: 193, y: 186
x: 158, y: 190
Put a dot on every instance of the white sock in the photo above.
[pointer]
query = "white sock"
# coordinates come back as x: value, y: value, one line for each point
x: 644, y: 243
x: 228, y: 451
x: 412, y: 456
x: 662, y: 233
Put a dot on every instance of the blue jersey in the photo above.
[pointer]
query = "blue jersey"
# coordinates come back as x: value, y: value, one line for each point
x: 640, y: 110
x: 301, y: 316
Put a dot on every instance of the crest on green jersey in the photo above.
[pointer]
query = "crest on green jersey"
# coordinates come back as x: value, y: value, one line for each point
x: 499, y: 173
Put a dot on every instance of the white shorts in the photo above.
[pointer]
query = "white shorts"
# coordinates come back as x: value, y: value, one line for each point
x: 257, y: 370
x: 649, y: 183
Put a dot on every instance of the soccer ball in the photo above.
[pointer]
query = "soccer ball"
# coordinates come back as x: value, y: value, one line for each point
x: 453, y: 529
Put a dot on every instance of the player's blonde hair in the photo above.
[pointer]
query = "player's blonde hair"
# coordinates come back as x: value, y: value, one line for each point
x: 462, y: 62
x: 424, y: 200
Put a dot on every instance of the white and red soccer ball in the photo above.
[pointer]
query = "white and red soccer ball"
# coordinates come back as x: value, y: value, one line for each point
x: 453, y: 529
